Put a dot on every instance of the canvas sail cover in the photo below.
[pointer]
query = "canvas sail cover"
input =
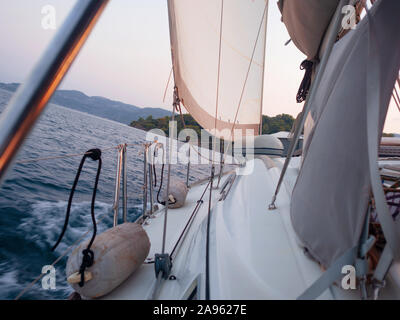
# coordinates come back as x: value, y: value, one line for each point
x: 307, y: 22
x: 329, y: 201
x: 195, y: 28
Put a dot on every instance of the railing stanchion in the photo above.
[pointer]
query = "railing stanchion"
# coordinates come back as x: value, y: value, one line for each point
x: 145, y: 183
x: 124, y: 185
x: 151, y: 186
x: 188, y: 165
x: 221, y: 160
x: 117, y: 184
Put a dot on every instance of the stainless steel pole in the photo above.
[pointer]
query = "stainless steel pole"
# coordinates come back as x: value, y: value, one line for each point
x: 32, y: 97
x: 124, y: 185
x: 145, y: 181
x: 151, y: 188
x: 117, y: 184
x: 332, y: 35
x: 188, y: 165
x: 221, y: 160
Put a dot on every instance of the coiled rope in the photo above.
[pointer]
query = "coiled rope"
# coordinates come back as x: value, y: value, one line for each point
x: 305, y: 84
x: 71, y: 155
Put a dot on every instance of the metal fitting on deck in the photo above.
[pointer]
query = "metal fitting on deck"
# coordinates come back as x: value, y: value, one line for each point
x: 162, y: 263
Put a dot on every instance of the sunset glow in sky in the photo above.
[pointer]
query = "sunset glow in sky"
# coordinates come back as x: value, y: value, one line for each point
x: 127, y: 57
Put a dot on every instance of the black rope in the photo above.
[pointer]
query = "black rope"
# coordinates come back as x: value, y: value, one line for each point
x: 154, y: 169
x: 306, y: 83
x: 208, y: 237
x: 155, y: 175
x: 88, y: 255
x: 161, y: 183
x: 159, y: 189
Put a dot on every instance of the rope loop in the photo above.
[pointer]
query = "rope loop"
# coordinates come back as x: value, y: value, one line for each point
x: 87, y: 261
x: 94, y: 154
x: 305, y: 85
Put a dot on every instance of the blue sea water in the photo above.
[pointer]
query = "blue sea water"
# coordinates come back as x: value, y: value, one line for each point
x: 34, y: 195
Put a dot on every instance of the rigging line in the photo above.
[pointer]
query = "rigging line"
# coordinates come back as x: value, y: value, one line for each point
x: 396, y: 102
x: 248, y: 70
x: 190, y: 143
x: 398, y: 82
x: 174, y: 106
x: 213, y: 159
x: 28, y: 287
x: 208, y: 237
x: 166, y: 87
x: 59, y: 157
x: 218, y: 76
x: 195, y: 210
x: 179, y: 108
x: 204, y: 157
x: 263, y: 70
x: 397, y: 95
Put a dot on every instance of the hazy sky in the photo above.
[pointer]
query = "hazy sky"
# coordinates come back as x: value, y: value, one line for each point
x: 127, y: 57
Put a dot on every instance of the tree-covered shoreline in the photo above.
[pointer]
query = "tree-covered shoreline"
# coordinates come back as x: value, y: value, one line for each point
x: 282, y: 122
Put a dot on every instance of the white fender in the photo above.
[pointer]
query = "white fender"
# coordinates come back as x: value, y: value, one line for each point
x: 118, y: 252
x: 177, y: 193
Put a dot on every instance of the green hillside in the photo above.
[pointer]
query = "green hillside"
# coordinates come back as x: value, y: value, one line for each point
x: 282, y: 122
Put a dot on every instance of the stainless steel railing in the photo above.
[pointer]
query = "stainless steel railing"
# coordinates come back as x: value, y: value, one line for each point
x: 121, y: 171
x: 148, y: 172
x: 145, y: 177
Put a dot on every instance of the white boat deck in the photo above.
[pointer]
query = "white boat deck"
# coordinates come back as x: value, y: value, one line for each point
x: 254, y: 252
x: 141, y: 283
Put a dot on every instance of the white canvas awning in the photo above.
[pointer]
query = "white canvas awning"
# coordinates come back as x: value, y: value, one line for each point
x: 329, y: 201
x: 307, y: 22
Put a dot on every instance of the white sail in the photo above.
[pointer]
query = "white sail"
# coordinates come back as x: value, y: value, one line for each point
x: 198, y: 59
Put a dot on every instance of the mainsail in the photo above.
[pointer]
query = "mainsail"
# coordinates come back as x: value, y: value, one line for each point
x: 218, y: 53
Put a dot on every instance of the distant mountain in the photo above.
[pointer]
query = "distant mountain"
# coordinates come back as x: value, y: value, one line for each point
x: 98, y: 106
